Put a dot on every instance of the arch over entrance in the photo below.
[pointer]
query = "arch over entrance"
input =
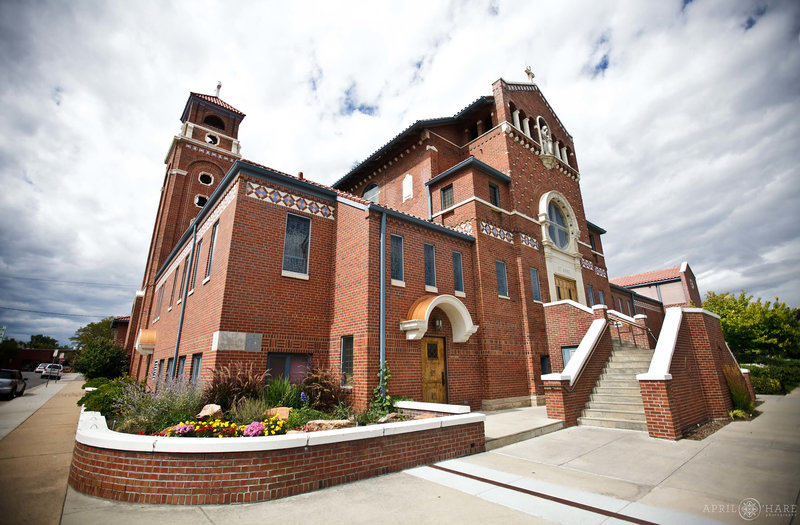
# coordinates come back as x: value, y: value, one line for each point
x: 416, y: 323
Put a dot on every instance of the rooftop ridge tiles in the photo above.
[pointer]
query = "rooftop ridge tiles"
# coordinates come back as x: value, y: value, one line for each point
x: 216, y: 100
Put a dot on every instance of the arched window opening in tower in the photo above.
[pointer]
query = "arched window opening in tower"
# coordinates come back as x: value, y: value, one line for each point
x: 200, y: 200
x: 214, y: 121
x: 372, y: 192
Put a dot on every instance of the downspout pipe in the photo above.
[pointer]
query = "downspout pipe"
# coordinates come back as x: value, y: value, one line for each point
x: 382, y: 337
x: 183, y: 299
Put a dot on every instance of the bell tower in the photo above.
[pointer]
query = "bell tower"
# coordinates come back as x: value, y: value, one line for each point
x: 200, y: 155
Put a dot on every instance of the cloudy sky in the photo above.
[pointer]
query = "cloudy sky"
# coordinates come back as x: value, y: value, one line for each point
x: 684, y: 116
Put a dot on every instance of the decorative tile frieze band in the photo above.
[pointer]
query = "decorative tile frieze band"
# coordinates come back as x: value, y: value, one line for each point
x: 288, y: 200
x: 210, y: 153
x: 587, y: 264
x: 600, y: 271
x: 464, y: 227
x: 529, y: 241
x: 496, y: 232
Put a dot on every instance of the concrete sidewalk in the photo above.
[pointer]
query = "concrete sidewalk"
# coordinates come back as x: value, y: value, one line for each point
x: 35, y: 456
x: 580, y: 474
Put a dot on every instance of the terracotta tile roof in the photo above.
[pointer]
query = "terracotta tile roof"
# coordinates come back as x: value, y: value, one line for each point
x: 218, y: 101
x: 653, y: 276
x: 123, y: 318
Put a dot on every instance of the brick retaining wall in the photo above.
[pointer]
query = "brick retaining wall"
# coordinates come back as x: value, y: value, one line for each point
x: 284, y: 466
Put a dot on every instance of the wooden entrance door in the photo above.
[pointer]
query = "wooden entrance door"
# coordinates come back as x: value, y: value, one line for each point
x: 566, y: 289
x: 434, y: 376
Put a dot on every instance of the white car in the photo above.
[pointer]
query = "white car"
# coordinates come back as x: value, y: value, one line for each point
x: 40, y: 368
x: 52, y: 371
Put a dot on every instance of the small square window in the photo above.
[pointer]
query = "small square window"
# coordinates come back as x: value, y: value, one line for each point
x: 494, y: 195
x: 447, y: 197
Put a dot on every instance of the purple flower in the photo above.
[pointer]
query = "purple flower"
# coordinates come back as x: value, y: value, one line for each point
x: 303, y: 397
x: 184, y: 429
x: 254, y: 429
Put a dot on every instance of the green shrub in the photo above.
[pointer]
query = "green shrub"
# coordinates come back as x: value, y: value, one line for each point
x: 104, y: 398
x: 738, y: 414
x: 300, y: 416
x: 148, y: 411
x: 248, y: 409
x: 101, y: 358
x: 740, y: 394
x: 231, y: 383
x: 281, y: 393
x: 323, y: 390
x: 343, y: 411
x: 96, y: 382
x: 785, y: 371
x: 766, y: 385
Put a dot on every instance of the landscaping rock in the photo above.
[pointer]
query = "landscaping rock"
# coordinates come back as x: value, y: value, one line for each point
x: 393, y: 416
x: 282, y: 412
x: 211, y: 412
x: 327, y: 424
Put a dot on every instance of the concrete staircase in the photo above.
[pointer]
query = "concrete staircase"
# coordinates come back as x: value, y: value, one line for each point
x: 616, y: 401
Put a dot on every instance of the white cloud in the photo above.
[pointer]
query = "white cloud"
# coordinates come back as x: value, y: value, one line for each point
x: 686, y: 141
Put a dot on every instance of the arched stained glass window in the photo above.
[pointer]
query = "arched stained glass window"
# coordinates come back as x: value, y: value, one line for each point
x: 557, y: 229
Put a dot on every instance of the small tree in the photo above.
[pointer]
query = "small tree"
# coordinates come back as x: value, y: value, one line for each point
x: 101, y: 358
x: 756, y: 330
x: 99, y: 330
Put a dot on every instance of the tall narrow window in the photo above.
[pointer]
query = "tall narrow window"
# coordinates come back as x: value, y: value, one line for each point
x: 197, y: 360
x: 557, y: 228
x: 458, y: 274
x: 211, y: 249
x: 170, y: 368
x: 174, y: 286
x: 591, y: 241
x: 397, y: 258
x: 494, y: 195
x: 408, y: 187
x: 296, y: 244
x: 535, y: 289
x: 183, y: 276
x: 196, y: 263
x: 160, y: 369
x: 347, y: 360
x: 430, y: 265
x: 502, y: 283
x: 181, y: 366
x: 447, y: 197
x: 589, y: 295
x: 601, y: 296
x: 159, y: 300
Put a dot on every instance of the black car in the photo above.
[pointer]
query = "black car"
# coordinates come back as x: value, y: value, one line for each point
x: 12, y: 383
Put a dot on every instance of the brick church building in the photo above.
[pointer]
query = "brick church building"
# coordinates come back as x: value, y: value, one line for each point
x: 439, y: 255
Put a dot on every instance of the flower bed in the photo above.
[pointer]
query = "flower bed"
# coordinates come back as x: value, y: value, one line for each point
x: 196, y: 470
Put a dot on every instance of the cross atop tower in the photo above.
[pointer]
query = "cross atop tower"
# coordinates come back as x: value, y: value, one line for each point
x: 529, y: 72
x: 219, y: 86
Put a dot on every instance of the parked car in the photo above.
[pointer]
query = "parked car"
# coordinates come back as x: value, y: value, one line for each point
x: 52, y: 371
x: 12, y: 383
x: 40, y: 368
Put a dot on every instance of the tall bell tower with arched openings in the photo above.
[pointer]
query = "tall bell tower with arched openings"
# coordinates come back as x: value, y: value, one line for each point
x: 199, y: 156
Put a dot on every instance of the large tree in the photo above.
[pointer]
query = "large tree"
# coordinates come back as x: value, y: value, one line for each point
x: 99, y: 330
x: 100, y: 357
x: 756, y: 330
x: 42, y: 341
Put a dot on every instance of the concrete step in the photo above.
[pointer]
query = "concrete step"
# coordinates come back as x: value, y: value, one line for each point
x: 616, y: 398
x: 615, y: 405
x: 619, y: 383
x: 620, y: 375
x: 627, y: 367
x: 613, y: 423
x: 617, y: 391
x: 630, y: 357
x: 626, y: 415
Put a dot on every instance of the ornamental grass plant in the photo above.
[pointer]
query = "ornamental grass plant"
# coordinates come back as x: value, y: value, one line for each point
x: 282, y: 393
x: 231, y: 383
x: 740, y: 395
x: 146, y: 411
